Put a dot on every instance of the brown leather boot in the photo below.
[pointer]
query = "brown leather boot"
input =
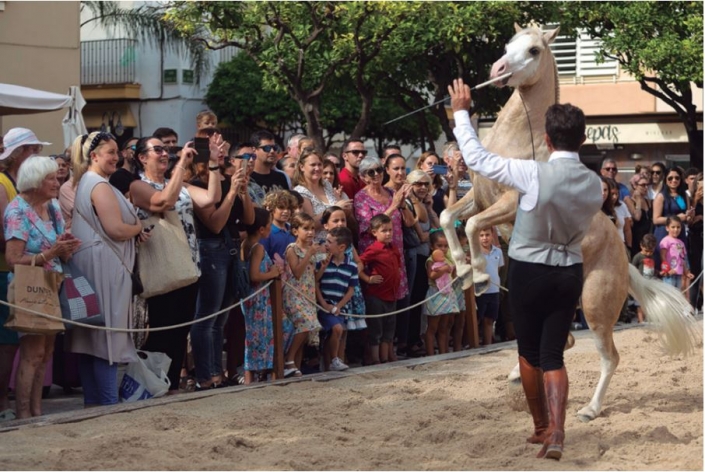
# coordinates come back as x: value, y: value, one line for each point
x: 532, y: 381
x: 556, y: 385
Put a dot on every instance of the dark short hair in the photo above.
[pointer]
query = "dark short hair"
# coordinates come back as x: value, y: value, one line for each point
x: 648, y: 241
x: 396, y: 155
x: 379, y: 220
x: 387, y: 147
x: 298, y: 196
x: 262, y: 135
x: 262, y: 219
x: 692, y: 171
x: 328, y: 212
x: 160, y: 133
x: 342, y: 235
x: 237, y: 146
x: 435, y: 236
x: 565, y: 126
x: 347, y: 143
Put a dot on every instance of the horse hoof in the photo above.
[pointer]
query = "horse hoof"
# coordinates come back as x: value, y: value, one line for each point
x: 585, y: 417
x: 467, y: 283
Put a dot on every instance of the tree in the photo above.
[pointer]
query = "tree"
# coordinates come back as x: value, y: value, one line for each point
x: 659, y: 43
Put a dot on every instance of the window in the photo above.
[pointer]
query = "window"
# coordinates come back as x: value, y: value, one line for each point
x: 186, y: 76
x: 575, y: 57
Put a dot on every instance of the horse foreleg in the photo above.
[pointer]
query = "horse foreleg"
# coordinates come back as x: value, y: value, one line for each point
x: 502, y: 211
x: 460, y: 210
x: 609, y: 360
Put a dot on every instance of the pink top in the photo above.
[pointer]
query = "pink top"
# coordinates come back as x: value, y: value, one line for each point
x: 675, y: 253
x: 444, y: 282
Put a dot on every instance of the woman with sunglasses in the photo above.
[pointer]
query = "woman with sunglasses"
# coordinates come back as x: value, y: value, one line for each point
x: 641, y: 215
x: 671, y: 201
x: 153, y: 193
x: 658, y: 171
x: 373, y: 200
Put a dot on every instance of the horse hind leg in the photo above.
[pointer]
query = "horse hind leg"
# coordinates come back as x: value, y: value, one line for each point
x: 609, y: 360
x: 463, y: 208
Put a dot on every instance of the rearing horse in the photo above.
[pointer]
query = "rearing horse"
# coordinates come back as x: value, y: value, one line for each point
x: 519, y: 133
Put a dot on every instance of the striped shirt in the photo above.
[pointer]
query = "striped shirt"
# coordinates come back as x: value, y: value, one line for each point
x: 336, y: 279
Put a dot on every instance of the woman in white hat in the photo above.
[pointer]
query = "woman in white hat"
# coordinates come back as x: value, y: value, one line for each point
x: 18, y: 144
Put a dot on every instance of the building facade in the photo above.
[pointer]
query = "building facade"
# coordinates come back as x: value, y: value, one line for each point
x: 40, y: 48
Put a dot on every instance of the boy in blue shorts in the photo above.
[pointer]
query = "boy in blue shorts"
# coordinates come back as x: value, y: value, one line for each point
x: 488, y: 302
x: 336, y: 279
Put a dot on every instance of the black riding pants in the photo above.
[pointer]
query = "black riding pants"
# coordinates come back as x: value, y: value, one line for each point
x: 542, y: 302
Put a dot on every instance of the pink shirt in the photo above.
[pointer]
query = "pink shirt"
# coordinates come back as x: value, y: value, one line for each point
x: 675, y: 253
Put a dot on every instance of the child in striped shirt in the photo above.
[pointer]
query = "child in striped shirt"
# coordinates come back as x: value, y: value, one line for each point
x: 336, y: 279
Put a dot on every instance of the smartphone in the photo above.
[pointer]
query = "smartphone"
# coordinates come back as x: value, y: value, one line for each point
x: 202, y: 146
x: 440, y: 169
x: 148, y: 228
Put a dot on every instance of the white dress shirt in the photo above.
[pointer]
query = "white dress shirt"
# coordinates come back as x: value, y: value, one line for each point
x: 521, y: 174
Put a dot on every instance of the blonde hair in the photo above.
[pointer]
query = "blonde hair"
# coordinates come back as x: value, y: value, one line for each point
x: 298, y: 175
x: 80, y: 152
x: 201, y: 117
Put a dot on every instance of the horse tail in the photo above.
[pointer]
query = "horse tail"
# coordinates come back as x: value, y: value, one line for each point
x: 666, y: 307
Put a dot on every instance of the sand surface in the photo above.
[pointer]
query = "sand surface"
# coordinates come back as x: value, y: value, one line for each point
x: 455, y: 414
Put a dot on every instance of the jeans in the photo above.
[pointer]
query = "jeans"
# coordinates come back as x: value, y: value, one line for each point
x: 213, y: 291
x: 99, y: 380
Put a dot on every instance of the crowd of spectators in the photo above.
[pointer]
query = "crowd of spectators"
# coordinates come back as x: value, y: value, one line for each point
x: 356, y: 234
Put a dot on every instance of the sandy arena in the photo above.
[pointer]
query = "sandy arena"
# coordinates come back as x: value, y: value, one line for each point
x: 451, y: 414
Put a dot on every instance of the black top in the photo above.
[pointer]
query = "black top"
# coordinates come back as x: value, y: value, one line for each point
x: 233, y: 222
x: 121, y: 180
x: 270, y: 182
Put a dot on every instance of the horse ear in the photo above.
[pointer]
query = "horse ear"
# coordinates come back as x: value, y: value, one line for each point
x: 517, y: 28
x: 551, y: 35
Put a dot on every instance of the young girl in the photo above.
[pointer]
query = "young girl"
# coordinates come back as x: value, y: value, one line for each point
x: 300, y: 271
x: 441, y: 309
x: 674, y: 260
x: 334, y: 217
x: 259, y: 341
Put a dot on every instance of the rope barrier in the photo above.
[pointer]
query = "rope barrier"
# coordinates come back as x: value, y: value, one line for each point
x: 694, y: 282
x: 142, y: 330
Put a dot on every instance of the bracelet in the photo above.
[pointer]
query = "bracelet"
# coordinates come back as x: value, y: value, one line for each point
x: 213, y: 168
x: 453, y: 188
x: 181, y: 167
x: 43, y: 256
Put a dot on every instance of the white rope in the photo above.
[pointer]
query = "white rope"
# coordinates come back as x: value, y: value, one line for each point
x: 135, y: 330
x: 694, y: 282
x: 356, y: 315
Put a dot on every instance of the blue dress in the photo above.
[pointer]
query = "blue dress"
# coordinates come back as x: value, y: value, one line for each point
x: 259, y: 337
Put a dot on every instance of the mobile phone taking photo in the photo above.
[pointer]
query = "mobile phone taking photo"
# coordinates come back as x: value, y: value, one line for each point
x: 440, y: 169
x: 202, y: 146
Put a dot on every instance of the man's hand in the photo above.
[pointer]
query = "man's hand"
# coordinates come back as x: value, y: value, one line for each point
x: 460, y: 98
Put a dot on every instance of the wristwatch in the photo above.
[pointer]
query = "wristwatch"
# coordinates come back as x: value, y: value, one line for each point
x: 213, y: 168
x: 334, y: 310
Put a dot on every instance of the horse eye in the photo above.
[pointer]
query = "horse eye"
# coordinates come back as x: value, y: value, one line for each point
x: 534, y: 51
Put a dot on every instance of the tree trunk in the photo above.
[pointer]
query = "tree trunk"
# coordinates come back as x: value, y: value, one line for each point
x: 312, y: 114
x: 695, y: 139
x: 364, y: 119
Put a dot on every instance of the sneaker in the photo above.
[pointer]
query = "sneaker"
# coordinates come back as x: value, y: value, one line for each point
x: 337, y: 365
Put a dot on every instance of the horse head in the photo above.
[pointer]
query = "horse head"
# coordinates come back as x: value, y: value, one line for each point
x: 527, y: 56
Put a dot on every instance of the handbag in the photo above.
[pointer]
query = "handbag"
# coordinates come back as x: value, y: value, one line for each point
x: 78, y: 299
x: 146, y: 378
x: 35, y: 289
x: 165, y: 261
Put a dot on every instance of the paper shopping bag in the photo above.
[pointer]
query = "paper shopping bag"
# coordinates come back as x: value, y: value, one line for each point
x: 35, y: 289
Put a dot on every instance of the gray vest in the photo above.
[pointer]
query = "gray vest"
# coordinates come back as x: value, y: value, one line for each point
x: 570, y: 195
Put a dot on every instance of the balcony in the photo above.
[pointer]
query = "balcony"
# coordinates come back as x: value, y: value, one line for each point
x: 108, y: 69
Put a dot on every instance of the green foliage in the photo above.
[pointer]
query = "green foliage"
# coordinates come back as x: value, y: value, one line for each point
x: 238, y: 97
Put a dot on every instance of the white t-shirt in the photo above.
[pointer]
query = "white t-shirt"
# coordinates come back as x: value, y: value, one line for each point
x: 622, y: 213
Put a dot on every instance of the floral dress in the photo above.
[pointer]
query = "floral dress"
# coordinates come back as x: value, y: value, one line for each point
x: 356, y: 305
x: 301, y: 311
x: 365, y: 208
x: 318, y: 205
x: 259, y: 337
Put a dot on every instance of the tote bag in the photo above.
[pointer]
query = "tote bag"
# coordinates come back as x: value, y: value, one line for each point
x: 78, y: 299
x: 165, y: 260
x: 35, y: 289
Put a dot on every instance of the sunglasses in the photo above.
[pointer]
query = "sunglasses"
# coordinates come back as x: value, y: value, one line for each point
x: 672, y: 178
x: 374, y: 172
x: 610, y: 169
x: 159, y: 149
x: 421, y: 184
x: 269, y: 148
x: 657, y: 172
x: 246, y: 156
x: 358, y: 152
x: 641, y: 185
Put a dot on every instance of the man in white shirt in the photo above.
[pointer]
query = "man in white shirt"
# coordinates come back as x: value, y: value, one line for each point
x: 558, y: 200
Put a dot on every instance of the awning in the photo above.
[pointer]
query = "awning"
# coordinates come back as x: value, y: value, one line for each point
x: 95, y: 114
x: 17, y: 100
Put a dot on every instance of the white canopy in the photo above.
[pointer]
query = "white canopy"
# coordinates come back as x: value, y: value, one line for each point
x: 16, y: 100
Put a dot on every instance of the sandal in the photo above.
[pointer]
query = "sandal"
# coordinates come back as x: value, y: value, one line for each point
x: 291, y: 371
